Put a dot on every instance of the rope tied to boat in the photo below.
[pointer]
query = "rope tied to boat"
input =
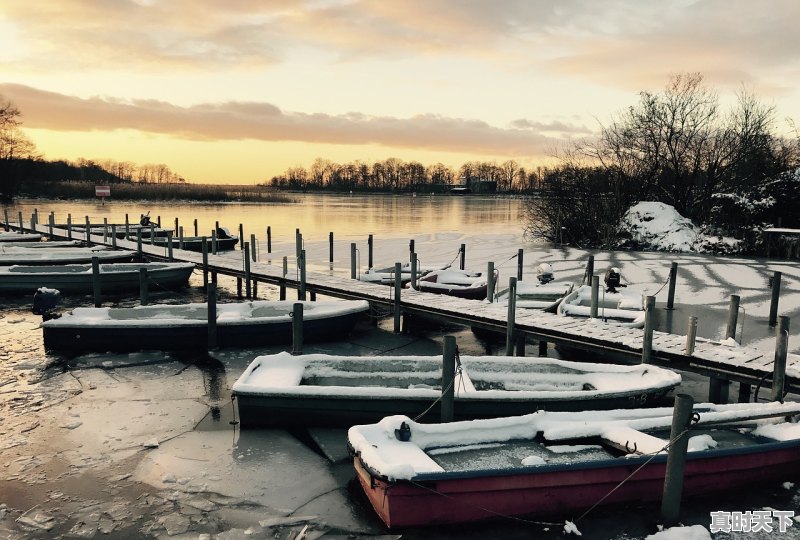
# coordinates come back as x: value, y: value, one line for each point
x: 458, y: 373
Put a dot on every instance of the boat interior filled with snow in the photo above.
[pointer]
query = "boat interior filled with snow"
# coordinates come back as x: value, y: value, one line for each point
x: 616, y: 304
x: 386, y: 275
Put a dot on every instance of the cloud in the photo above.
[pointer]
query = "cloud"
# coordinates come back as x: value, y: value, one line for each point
x: 266, y: 122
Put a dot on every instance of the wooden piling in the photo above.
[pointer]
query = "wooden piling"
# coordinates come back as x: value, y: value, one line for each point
x: 398, y: 287
x: 127, y: 227
x: 490, y: 282
x: 139, y: 251
x: 411, y: 248
x: 302, y: 264
x: 595, y: 297
x: 214, y: 243
x: 297, y: 328
x: 676, y: 460
x: 463, y: 252
x: 448, y: 378
x: 542, y: 348
x: 370, y: 244
x: 298, y: 241
x: 96, y: 289
x: 519, y: 264
x: 589, y: 270
x: 169, y: 247
x: 114, y: 235
x: 776, y: 293
x: 691, y: 335
x: 414, y: 284
x: 69, y: 226
x: 512, y: 305
x: 152, y: 234
x: 673, y: 278
x: 282, y: 289
x: 253, y: 248
x: 269, y: 239
x: 5, y: 220
x: 211, y: 302
x: 353, y: 260
x: 246, y: 249
x: 105, y: 230
x: 718, y: 390
x: 50, y: 226
x: 180, y: 238
x: 733, y: 315
x: 195, y: 227
x: 205, y: 262
x: 88, y: 232
x: 649, y: 323
x: 143, y: 293
x: 779, y: 366
x: 241, y: 236
x: 330, y: 247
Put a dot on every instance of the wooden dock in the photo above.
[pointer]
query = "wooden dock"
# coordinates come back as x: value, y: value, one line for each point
x: 720, y: 361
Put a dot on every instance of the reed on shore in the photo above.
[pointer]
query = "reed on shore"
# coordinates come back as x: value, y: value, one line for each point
x: 156, y: 192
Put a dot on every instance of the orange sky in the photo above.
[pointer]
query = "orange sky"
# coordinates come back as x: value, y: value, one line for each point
x: 238, y: 91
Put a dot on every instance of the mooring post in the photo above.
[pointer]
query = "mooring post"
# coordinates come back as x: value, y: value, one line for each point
x: 152, y: 234
x: 239, y: 288
x: 127, y: 227
x: 214, y: 243
x: 143, y: 286
x: 589, y: 270
x: 282, y: 289
x: 114, y: 235
x: 253, y: 248
x: 676, y: 459
x: 330, y: 247
x: 246, y: 253
x: 88, y: 232
x: 69, y: 226
x: 269, y: 239
x: 139, y: 246
x: 398, y: 287
x: 5, y: 220
x: 105, y: 230
x: 448, y: 378
x: 595, y: 296
x: 512, y: 307
x: 195, y: 227
x: 490, y: 285
x: 733, y: 315
x: 370, y: 244
x: 302, y: 290
x: 649, y: 323
x: 298, y: 240
x: 352, y: 260
x: 176, y: 227
x: 673, y: 277
x: 691, y: 335
x: 204, y: 244
x: 180, y: 238
x: 169, y: 246
x: 781, y: 351
x: 211, y: 302
x: 297, y: 328
x: 241, y: 236
x: 50, y: 225
x: 519, y: 264
x: 718, y: 390
x: 411, y: 246
x: 776, y: 293
x: 542, y: 348
x: 96, y: 289
x: 414, y: 284
x: 463, y: 252
x: 158, y: 221
x: 21, y: 224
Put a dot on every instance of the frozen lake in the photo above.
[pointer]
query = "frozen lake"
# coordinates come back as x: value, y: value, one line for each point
x: 141, y: 445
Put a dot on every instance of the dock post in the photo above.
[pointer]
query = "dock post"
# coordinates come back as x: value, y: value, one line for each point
x: 589, y: 270
x: 169, y: 246
x: 143, y: 286
x: 241, y: 236
x: 330, y: 245
x: 96, y: 289
x: 411, y: 248
x: 5, y: 219
x: 21, y: 225
x: 282, y: 293
x: 180, y: 237
x: 718, y: 390
x: 205, y: 262
x: 398, y: 268
x: 158, y: 221
x: 519, y: 264
x: 114, y: 235
x: 733, y: 315
x: 195, y: 227
x: 352, y: 260
x: 781, y: 350
x: 69, y: 226
x: 88, y: 232
x: 214, y: 243
x: 676, y: 459
x: 211, y: 302
x: 269, y: 239
x: 490, y: 282
x: 512, y: 306
x: 370, y: 243
x: 542, y: 348
x: 176, y: 226
x: 253, y: 248
x: 297, y: 328
x: 414, y: 284
x: 673, y: 277
x: 448, y: 378
x: 239, y: 288
x: 152, y: 234
x: 127, y: 228
x: 105, y: 230
x: 649, y: 322
x: 463, y: 260
x: 776, y: 293
x: 248, y: 290
x: 139, y: 246
x: 298, y: 240
x: 595, y: 296
x: 301, y: 292
x: 50, y: 225
x: 744, y: 393
x: 691, y: 335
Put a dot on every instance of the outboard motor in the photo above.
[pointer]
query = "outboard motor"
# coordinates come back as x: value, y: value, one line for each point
x: 613, y: 279
x: 545, y: 273
x: 45, y: 302
x: 223, y: 233
x: 144, y: 220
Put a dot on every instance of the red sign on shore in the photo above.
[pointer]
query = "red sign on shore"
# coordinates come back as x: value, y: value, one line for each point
x: 102, y: 191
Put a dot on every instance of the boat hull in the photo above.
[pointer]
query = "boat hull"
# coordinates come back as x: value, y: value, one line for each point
x: 569, y: 490
x: 196, y: 243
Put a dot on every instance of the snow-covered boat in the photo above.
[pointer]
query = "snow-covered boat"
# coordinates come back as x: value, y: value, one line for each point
x: 195, y: 243
x: 60, y: 255
x: 545, y: 293
x: 44, y: 245
x: 623, y: 307
x: 559, y: 464
x: 77, y: 278
x: 386, y: 276
x: 11, y: 236
x: 185, y: 326
x: 319, y: 389
x: 452, y: 282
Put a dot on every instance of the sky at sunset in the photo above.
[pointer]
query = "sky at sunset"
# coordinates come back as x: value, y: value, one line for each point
x: 237, y: 91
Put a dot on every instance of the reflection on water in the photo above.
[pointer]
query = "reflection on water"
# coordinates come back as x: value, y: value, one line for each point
x: 313, y: 214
